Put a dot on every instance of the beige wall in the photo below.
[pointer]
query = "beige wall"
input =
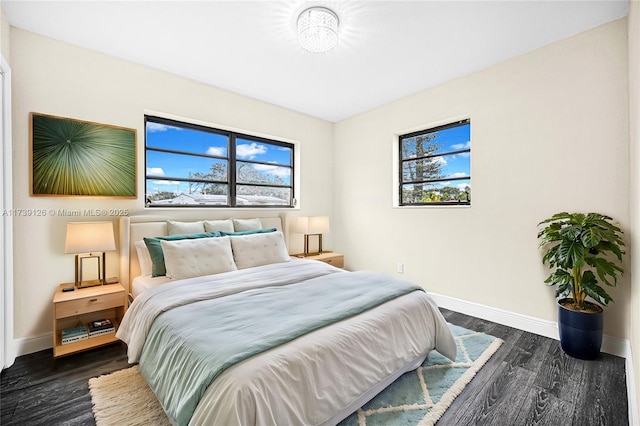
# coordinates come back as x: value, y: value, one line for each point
x: 549, y: 134
x: 634, y: 187
x: 5, y: 32
x: 60, y: 79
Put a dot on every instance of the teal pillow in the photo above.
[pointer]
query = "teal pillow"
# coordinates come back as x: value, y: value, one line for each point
x: 155, y: 249
x: 253, y: 231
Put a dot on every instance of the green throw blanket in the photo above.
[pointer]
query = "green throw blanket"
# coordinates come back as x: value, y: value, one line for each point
x: 189, y: 346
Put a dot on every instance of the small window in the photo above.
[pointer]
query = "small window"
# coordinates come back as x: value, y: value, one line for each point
x: 435, y: 166
x: 188, y: 165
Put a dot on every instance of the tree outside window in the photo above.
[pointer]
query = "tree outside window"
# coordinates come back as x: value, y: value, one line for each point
x: 435, y: 166
x: 192, y: 165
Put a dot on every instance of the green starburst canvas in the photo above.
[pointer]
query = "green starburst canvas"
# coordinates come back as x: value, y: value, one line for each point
x: 80, y: 158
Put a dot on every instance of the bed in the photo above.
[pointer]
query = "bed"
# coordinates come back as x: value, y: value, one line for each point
x: 265, y: 338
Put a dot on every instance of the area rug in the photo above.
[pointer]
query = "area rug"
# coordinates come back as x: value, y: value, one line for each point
x: 419, y: 397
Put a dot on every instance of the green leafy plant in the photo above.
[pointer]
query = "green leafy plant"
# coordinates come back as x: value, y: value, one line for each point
x: 577, y: 245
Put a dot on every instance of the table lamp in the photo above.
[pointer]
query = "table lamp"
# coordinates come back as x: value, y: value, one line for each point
x: 84, y: 239
x: 312, y: 225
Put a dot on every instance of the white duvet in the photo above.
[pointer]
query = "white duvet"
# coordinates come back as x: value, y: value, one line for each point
x: 314, y: 379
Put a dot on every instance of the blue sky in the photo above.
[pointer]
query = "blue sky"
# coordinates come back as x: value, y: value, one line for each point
x: 167, y: 165
x: 452, y: 140
x: 458, y: 165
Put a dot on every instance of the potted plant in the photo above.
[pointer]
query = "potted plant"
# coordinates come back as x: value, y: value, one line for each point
x: 584, y: 251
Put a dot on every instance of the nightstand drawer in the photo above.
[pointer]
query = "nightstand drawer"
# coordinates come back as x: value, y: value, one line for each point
x: 330, y: 257
x: 337, y: 261
x: 88, y: 304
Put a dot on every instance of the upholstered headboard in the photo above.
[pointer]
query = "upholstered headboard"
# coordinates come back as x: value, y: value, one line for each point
x: 135, y: 228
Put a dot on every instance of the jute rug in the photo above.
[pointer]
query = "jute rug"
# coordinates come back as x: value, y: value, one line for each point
x: 419, y: 397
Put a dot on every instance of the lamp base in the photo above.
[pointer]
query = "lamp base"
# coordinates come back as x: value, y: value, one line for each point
x: 306, y: 245
x: 89, y: 283
x: 92, y: 264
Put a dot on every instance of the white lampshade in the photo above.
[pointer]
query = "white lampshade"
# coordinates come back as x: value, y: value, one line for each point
x: 312, y: 225
x: 85, y: 237
x: 318, y: 29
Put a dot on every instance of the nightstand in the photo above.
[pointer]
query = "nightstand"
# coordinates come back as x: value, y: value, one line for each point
x: 335, y: 259
x: 81, y: 306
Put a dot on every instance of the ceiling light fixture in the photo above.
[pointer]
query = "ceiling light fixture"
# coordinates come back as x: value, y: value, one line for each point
x: 318, y: 29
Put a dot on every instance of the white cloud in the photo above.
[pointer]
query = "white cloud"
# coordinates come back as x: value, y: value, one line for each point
x: 157, y: 127
x: 155, y: 171
x: 462, y: 186
x: 273, y: 170
x: 166, y: 182
x: 215, y: 150
x: 465, y: 145
x: 440, y: 160
x: 457, y: 175
x: 250, y: 150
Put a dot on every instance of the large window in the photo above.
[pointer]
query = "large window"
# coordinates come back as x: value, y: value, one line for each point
x: 192, y: 165
x: 435, y: 166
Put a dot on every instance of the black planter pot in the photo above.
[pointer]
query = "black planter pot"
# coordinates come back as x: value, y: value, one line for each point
x: 580, y: 332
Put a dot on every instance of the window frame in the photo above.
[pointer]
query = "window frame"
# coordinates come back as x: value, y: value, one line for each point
x: 402, y: 161
x: 232, y: 162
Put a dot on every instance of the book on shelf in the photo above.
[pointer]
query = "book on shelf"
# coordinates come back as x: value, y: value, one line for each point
x: 100, y: 324
x: 101, y: 332
x: 99, y: 327
x: 74, y: 334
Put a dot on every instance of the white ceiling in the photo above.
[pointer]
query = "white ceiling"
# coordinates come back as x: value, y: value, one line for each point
x: 386, y: 50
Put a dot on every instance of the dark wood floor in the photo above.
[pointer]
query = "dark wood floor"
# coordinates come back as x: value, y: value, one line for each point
x: 529, y: 381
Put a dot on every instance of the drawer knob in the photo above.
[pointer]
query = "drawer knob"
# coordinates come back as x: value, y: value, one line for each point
x: 95, y: 299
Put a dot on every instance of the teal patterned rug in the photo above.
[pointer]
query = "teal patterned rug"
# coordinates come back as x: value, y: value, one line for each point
x: 421, y: 397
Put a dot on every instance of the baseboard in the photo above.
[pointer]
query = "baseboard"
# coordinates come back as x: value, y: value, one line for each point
x: 30, y: 345
x: 611, y: 345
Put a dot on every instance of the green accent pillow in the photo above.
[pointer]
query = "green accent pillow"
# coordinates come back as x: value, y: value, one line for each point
x: 155, y: 249
x: 253, y: 231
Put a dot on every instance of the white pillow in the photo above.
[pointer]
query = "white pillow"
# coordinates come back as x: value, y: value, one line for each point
x: 144, y: 258
x: 246, y: 225
x: 259, y: 249
x: 194, y: 258
x: 218, y: 225
x: 176, y: 228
